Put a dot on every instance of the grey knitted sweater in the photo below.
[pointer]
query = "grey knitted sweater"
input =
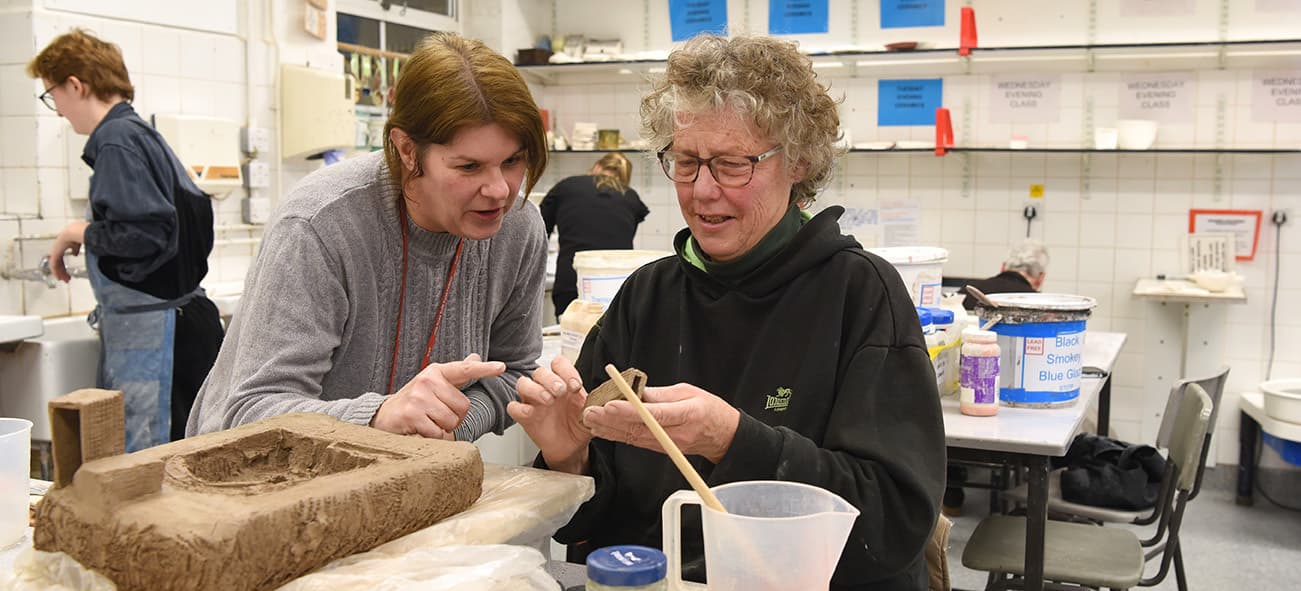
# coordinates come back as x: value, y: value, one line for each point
x: 315, y: 327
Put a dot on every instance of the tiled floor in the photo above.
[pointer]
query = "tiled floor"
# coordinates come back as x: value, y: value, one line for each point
x: 1226, y: 546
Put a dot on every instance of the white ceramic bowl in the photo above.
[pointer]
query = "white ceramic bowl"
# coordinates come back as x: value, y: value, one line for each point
x: 1283, y: 399
x: 1214, y: 281
x: 1135, y: 134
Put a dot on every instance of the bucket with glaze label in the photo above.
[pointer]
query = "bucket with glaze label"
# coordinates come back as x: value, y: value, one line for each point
x: 920, y: 267
x: 1041, y: 336
x: 601, y: 272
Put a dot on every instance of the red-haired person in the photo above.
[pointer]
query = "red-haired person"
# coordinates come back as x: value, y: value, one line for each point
x: 146, y: 238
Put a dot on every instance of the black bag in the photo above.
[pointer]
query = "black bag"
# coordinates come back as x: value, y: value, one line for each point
x: 1105, y: 472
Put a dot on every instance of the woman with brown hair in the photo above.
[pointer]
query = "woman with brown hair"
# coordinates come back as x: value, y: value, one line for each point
x: 402, y: 289
x: 147, y: 239
x: 594, y: 211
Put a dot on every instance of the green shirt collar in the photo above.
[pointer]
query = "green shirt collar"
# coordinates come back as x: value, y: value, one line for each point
x: 773, y: 243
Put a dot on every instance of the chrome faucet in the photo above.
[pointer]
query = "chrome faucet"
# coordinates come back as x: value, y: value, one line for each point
x: 43, y: 274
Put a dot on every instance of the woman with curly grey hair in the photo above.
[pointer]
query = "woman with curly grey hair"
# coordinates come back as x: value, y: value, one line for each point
x: 778, y: 349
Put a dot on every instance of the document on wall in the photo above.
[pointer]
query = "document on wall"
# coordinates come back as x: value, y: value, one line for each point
x: 1278, y: 5
x: 792, y: 17
x: 1163, y: 97
x: 1017, y: 98
x: 861, y: 223
x: 908, y: 102
x: 1158, y: 8
x: 900, y: 222
x: 1276, y: 96
x: 687, y: 18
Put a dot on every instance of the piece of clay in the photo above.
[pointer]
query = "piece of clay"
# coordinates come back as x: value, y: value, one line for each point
x: 610, y: 391
x: 254, y: 507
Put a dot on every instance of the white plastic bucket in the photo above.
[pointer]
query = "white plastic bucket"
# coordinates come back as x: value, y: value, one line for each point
x: 922, y: 270
x: 1041, y: 336
x: 602, y: 272
x: 15, y: 464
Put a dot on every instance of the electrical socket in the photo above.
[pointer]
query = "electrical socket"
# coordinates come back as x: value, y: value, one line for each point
x: 1279, y: 218
x: 254, y: 140
x: 257, y: 175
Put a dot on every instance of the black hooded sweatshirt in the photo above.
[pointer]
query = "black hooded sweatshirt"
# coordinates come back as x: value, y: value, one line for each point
x: 821, y: 351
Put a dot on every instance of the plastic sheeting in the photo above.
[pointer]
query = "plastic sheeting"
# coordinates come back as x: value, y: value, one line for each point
x: 492, y: 546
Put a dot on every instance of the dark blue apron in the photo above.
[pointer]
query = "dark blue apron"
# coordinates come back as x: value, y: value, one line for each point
x: 137, y: 334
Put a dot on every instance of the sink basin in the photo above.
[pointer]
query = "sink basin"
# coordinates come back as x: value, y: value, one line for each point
x: 20, y: 328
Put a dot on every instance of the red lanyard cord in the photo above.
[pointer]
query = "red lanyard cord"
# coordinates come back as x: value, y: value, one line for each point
x: 402, y: 297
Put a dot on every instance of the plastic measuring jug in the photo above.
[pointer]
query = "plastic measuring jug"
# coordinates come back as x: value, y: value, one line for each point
x: 775, y: 536
x: 15, y: 468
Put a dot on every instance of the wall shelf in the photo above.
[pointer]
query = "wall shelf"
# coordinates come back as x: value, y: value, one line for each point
x: 939, y: 61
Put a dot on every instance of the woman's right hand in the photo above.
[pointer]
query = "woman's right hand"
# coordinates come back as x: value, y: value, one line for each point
x: 432, y: 403
x: 550, y: 408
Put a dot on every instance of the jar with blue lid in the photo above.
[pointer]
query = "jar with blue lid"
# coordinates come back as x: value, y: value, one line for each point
x: 626, y: 568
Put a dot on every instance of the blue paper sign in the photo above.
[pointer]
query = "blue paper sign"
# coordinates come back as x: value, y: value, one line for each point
x: 793, y: 17
x: 908, y: 102
x: 896, y: 14
x: 689, y: 18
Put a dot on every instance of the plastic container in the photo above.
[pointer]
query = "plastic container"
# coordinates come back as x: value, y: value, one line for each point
x: 920, y: 267
x: 602, y: 272
x: 775, y: 535
x: 946, y: 358
x: 575, y: 322
x: 1283, y: 399
x: 979, y: 384
x: 1042, y: 338
x: 15, y: 470
x: 1135, y: 134
x: 928, y: 323
x: 626, y: 568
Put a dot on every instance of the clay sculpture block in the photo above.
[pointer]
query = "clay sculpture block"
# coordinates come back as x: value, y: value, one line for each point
x: 608, y: 391
x: 256, y: 506
x: 85, y: 425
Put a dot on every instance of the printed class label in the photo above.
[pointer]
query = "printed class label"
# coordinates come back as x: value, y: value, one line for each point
x: 1053, y: 363
x: 792, y: 17
x: 1276, y: 97
x: 1025, y: 99
x: 908, y: 102
x: 897, y: 14
x: 1166, y: 98
x: 688, y: 18
x: 980, y: 377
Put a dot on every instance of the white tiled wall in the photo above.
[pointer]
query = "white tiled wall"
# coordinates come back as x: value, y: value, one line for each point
x: 202, y: 69
x: 1108, y: 219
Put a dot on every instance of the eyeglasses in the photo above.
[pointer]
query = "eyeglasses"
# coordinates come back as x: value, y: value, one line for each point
x: 728, y: 171
x: 48, y: 99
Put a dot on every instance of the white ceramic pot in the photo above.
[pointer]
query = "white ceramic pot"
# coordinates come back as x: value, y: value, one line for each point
x: 1135, y: 134
x: 1283, y: 399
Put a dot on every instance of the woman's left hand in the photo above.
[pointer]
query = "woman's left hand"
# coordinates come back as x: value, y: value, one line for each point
x: 697, y: 421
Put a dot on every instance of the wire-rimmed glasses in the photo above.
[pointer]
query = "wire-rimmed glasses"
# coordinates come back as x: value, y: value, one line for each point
x: 728, y: 171
x: 48, y: 99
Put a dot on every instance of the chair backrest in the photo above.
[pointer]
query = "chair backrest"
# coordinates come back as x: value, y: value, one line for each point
x: 1214, y: 387
x: 1189, y: 436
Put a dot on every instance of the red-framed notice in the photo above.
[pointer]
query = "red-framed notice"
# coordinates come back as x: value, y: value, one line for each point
x: 1244, y: 224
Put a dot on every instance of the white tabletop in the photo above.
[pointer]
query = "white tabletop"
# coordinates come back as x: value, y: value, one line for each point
x: 1038, y: 431
x: 1253, y: 403
x: 1180, y: 290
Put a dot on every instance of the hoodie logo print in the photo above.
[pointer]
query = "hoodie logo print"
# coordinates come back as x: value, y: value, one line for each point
x: 780, y: 401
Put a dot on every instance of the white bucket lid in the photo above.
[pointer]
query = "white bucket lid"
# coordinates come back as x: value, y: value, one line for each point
x: 1043, y: 301
x: 911, y: 255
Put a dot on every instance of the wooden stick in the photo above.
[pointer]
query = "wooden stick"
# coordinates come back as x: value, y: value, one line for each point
x: 697, y: 483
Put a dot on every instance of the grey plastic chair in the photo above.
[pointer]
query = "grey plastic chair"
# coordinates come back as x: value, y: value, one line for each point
x: 1061, y: 509
x: 1079, y: 555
